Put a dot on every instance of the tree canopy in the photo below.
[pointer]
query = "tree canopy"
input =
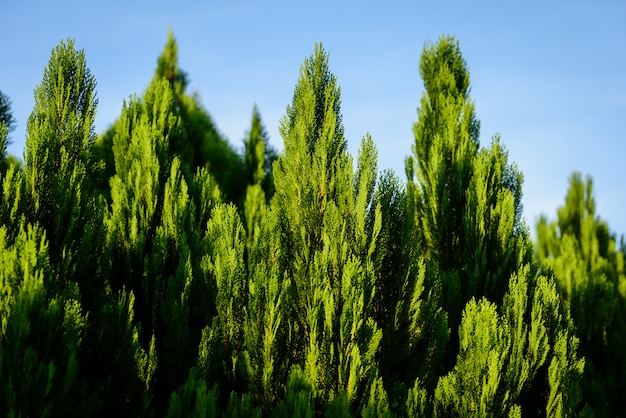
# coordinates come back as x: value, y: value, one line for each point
x: 157, y: 269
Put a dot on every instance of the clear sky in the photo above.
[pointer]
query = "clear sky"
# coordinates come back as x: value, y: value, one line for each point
x: 550, y: 77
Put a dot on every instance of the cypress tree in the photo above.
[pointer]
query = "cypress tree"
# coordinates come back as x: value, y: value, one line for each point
x: 258, y: 158
x: 583, y: 254
x: 468, y: 226
x: 467, y: 200
x: 154, y: 238
x: 407, y: 303
x: 7, y: 124
x: 326, y: 253
x: 519, y: 359
x: 197, y: 141
x: 59, y: 171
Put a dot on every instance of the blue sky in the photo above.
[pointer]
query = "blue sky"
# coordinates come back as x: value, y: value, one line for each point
x: 550, y: 77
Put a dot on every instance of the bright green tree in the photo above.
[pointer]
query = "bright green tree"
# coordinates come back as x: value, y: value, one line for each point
x: 59, y: 170
x: 41, y: 334
x: 467, y: 223
x: 584, y: 256
x: 515, y: 360
x: 154, y: 241
x: 326, y: 250
x: 197, y: 142
x: 467, y: 199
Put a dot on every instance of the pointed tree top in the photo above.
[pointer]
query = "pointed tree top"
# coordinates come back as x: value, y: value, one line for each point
x: 167, y: 65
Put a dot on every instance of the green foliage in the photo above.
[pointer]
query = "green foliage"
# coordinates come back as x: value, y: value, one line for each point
x: 326, y: 251
x: 40, y: 337
x: 59, y: 171
x: 156, y: 271
x: 407, y: 303
x: 4, y: 143
x: 195, y: 139
x: 589, y: 266
x: 467, y: 200
x: 258, y: 160
x: 508, y: 361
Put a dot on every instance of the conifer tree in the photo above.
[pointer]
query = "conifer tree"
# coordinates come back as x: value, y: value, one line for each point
x: 407, y: 303
x: 154, y: 241
x: 59, y: 170
x: 585, y: 258
x: 7, y: 124
x: 518, y: 360
x: 258, y: 160
x: 6, y: 116
x: 325, y: 249
x: 265, y: 334
x: 468, y: 201
x: 11, y: 187
x: 468, y: 224
x: 197, y: 142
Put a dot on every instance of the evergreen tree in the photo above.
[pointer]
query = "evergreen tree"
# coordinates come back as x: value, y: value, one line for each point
x: 154, y: 241
x: 521, y: 361
x: 7, y: 124
x: 467, y: 220
x: 584, y: 256
x: 59, y: 170
x: 265, y: 334
x: 6, y: 116
x: 407, y: 303
x: 325, y: 250
x: 258, y: 160
x: 197, y: 142
x: 467, y: 200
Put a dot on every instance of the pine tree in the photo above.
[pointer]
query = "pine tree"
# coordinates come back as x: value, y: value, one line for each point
x: 584, y: 256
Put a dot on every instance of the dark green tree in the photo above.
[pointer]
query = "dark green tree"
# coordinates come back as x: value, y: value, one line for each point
x: 7, y: 124
x: 258, y: 159
x: 6, y: 116
x: 407, y: 302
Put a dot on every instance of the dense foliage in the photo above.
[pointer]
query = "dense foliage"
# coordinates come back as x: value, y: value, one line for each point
x: 156, y: 270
